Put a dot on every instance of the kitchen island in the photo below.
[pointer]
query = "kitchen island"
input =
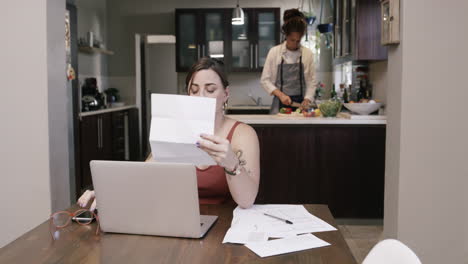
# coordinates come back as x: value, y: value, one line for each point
x: 334, y: 161
x: 299, y: 120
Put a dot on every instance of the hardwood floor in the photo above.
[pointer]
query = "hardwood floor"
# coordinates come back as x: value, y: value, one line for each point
x: 361, y: 238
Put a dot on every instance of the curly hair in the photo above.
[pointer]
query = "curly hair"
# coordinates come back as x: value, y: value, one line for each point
x: 293, y: 21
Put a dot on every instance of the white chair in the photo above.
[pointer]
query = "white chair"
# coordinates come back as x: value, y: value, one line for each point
x: 391, y: 251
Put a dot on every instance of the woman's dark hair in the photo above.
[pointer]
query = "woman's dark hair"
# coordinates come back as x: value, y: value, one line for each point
x: 207, y: 63
x: 293, y: 21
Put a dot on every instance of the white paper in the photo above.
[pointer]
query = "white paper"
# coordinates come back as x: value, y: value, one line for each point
x: 252, y: 220
x: 303, y: 221
x: 176, y: 124
x: 240, y: 236
x: 286, y: 245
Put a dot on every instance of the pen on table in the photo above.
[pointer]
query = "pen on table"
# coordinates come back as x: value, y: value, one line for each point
x: 279, y: 218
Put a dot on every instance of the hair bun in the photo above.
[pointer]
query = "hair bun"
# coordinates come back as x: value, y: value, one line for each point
x: 292, y: 13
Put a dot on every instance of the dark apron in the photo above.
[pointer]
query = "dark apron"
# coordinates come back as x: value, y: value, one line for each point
x: 290, y: 80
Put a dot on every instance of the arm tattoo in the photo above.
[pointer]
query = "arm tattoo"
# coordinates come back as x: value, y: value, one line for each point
x: 242, y: 161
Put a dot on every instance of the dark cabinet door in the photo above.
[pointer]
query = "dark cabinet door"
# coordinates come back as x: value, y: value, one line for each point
x: 188, y: 47
x: 90, y: 132
x: 289, y: 165
x: 357, y: 31
x: 267, y: 31
x: 368, y: 27
x: 134, y: 145
x: 338, y: 169
x: 210, y: 33
x: 200, y: 33
x: 118, y: 135
x: 251, y: 42
x: 341, y: 166
x: 214, y: 33
x: 346, y: 27
x: 107, y: 136
x: 242, y: 41
x: 338, y: 28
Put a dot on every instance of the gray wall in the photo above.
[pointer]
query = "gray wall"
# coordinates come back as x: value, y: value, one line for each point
x: 92, y: 16
x: 37, y: 140
x: 378, y: 79
x: 427, y: 147
x: 125, y: 18
x: 24, y: 137
x: 393, y: 140
x: 60, y: 109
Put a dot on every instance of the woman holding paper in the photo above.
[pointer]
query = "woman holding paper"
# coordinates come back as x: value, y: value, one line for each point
x: 234, y: 145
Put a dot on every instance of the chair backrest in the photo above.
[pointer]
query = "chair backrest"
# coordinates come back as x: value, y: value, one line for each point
x: 391, y: 251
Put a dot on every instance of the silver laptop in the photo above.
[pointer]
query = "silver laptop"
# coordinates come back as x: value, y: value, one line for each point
x: 149, y: 198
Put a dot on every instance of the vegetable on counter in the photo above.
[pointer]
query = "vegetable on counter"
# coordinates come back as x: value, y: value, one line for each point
x: 285, y: 110
x: 330, y: 108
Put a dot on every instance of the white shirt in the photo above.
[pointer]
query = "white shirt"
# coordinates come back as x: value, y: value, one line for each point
x: 270, y: 69
x: 291, y: 56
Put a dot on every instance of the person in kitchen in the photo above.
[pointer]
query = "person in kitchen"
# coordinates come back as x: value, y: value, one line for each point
x: 234, y: 145
x: 289, y: 70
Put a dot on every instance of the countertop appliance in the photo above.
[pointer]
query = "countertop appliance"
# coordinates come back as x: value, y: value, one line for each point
x: 91, y: 98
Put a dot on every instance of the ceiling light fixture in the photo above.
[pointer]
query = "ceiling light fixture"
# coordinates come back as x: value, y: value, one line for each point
x: 237, y: 15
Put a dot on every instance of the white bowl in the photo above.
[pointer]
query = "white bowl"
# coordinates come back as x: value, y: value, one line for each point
x: 363, y: 108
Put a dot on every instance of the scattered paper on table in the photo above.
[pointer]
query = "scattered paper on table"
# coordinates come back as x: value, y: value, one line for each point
x: 286, y: 245
x: 176, y: 124
x: 251, y: 224
x: 240, y: 236
x: 303, y: 221
x: 246, y: 221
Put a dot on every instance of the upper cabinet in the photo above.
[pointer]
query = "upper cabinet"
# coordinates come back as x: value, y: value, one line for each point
x: 357, y: 31
x: 209, y: 32
x: 390, y: 21
x: 199, y: 33
x: 251, y: 42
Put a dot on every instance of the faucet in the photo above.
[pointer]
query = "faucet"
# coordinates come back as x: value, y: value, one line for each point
x: 257, y: 101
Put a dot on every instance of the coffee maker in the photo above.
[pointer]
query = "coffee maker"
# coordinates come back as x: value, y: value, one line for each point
x: 91, y: 98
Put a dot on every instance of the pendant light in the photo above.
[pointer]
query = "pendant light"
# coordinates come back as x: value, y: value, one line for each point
x: 237, y: 15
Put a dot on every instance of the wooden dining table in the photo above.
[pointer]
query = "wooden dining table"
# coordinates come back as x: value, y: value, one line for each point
x: 80, y: 244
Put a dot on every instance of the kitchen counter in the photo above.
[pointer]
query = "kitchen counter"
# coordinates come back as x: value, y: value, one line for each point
x: 293, y: 120
x: 248, y: 107
x: 106, y: 110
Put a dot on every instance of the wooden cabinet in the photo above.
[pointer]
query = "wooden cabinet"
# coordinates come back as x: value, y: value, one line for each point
x: 93, y: 143
x: 106, y: 136
x: 209, y: 32
x: 390, y: 21
x: 341, y: 166
x: 289, y: 165
x: 358, y: 31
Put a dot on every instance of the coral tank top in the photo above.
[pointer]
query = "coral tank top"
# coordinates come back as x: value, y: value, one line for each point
x: 212, y: 183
